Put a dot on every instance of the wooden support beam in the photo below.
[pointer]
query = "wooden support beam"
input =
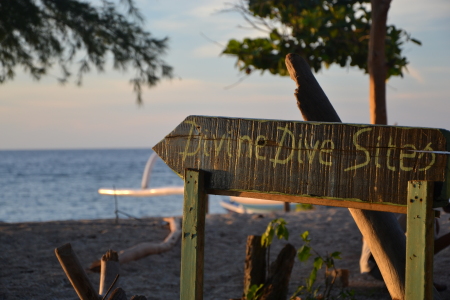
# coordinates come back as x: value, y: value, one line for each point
x: 193, y: 236
x: 420, y: 241
x: 399, y: 209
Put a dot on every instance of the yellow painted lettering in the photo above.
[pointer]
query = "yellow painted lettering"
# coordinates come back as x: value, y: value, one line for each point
x: 229, y: 145
x: 390, y: 146
x: 205, y: 148
x: 241, y: 140
x: 410, y: 154
x: 300, y: 161
x: 329, y: 150
x: 185, y: 152
x: 359, y: 147
x: 377, y: 153
x: 433, y: 157
x: 311, y: 151
x: 276, y: 160
x: 217, y: 144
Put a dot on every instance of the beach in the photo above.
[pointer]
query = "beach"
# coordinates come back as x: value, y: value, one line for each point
x: 29, y: 268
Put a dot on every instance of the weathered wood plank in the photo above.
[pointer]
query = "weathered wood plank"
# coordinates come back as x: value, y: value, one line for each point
x: 74, y: 271
x: 371, y: 163
x: 419, y: 241
x: 109, y: 270
x: 350, y: 203
x: 192, y: 246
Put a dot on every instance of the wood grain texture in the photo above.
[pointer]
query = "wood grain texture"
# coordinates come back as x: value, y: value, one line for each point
x: 420, y: 241
x: 118, y: 294
x: 150, y: 248
x: 193, y: 238
x: 371, y: 163
x: 399, y: 209
x: 311, y: 99
x: 381, y: 230
x: 277, y: 284
x: 74, y: 271
x: 255, y: 263
x: 110, y: 268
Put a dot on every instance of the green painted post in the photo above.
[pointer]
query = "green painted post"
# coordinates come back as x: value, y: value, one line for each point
x: 420, y: 241
x: 193, y: 238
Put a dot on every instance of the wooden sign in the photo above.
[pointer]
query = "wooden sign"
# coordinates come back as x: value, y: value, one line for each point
x: 369, y: 163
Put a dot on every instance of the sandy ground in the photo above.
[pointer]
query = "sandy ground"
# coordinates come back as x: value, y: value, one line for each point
x: 30, y: 270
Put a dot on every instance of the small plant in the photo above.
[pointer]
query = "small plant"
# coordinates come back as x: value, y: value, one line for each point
x: 276, y: 227
x: 309, y: 290
x: 254, y: 292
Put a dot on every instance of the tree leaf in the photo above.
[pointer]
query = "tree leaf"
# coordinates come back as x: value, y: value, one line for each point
x: 336, y: 255
x: 311, y: 279
x: 322, y: 32
x: 303, y: 253
x: 305, y: 236
x: 37, y: 35
x: 253, y: 292
x: 318, y: 262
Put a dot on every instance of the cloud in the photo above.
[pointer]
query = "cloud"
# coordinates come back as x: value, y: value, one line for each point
x: 171, y: 24
x: 208, y: 50
x: 414, y: 73
x: 418, y: 15
x: 207, y: 9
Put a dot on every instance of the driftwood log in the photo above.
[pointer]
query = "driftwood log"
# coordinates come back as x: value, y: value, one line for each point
x: 380, y: 229
x: 75, y: 272
x: 255, y: 263
x: 277, y: 284
x: 145, y: 249
x: 138, y: 297
x: 338, y: 277
x: 110, y: 269
x: 118, y: 294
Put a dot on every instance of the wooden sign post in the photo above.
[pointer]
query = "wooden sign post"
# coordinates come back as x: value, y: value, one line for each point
x: 358, y: 166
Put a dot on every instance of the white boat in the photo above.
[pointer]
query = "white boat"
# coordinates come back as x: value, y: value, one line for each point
x: 243, y: 205
x: 145, y: 191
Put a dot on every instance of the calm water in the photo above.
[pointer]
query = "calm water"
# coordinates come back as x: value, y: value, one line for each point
x: 45, y: 185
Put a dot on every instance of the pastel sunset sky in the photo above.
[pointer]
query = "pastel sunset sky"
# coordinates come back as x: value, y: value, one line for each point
x: 102, y: 113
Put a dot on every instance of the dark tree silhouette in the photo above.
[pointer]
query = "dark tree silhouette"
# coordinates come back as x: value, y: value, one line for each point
x: 38, y: 35
x: 323, y: 33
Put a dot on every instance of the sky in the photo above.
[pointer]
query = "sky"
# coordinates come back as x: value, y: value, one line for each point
x: 103, y: 113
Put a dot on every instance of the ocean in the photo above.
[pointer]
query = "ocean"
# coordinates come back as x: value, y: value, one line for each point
x: 50, y: 185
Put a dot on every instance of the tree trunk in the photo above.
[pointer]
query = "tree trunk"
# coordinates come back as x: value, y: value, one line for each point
x: 381, y: 230
x: 377, y: 62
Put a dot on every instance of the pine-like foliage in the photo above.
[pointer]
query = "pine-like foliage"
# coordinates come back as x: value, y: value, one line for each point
x: 40, y: 34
